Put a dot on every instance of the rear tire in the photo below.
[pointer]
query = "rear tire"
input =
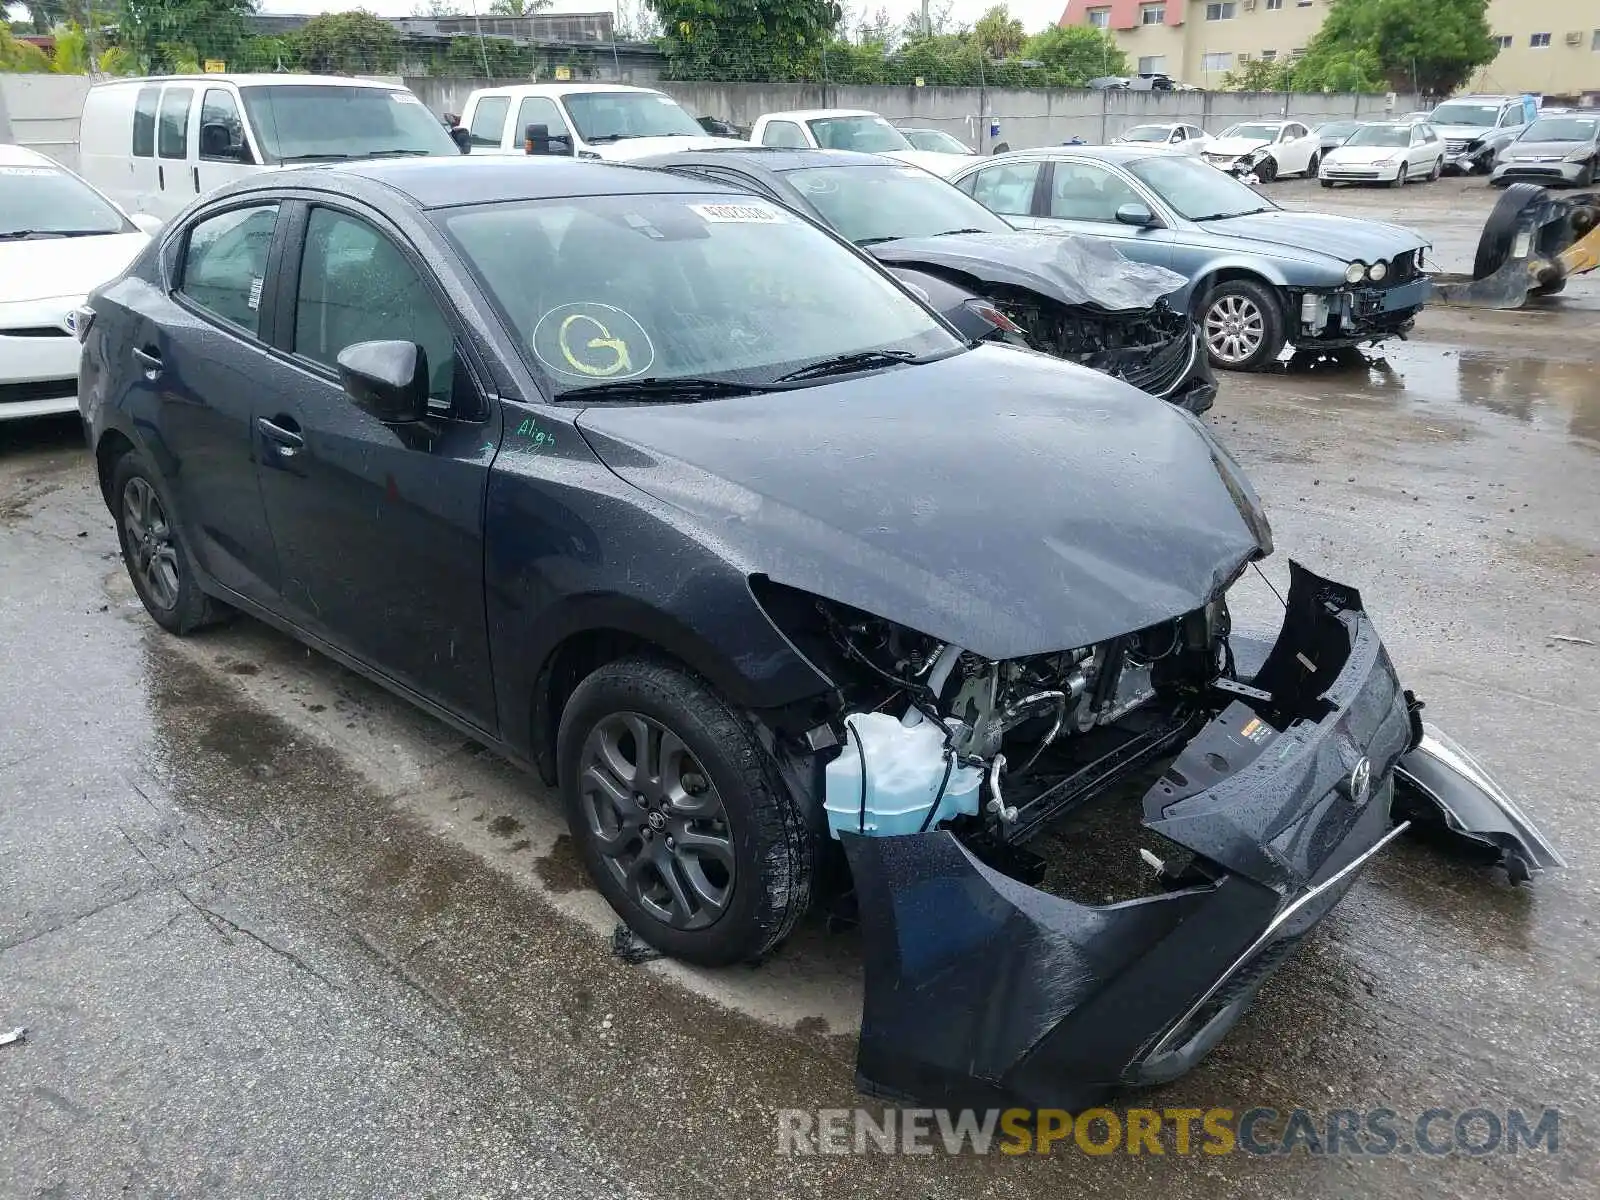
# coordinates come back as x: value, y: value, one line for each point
x: 680, y: 814
x: 158, y: 562
x: 1500, y: 230
x: 1243, y: 324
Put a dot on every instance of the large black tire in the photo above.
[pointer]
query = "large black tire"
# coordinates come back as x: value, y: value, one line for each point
x: 1438, y: 170
x: 1311, y: 167
x: 1266, y: 170
x: 1236, y: 299
x: 158, y: 562
x: 773, y: 852
x: 1399, y: 180
x: 1500, y: 230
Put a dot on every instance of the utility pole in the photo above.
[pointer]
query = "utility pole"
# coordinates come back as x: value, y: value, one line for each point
x: 927, y: 23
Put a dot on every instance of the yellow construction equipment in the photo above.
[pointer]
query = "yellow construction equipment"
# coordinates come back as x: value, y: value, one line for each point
x: 1532, y: 243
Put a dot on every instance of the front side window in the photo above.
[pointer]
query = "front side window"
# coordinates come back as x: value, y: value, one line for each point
x: 144, y: 121
x: 357, y: 286
x: 324, y: 121
x: 172, y: 140
x: 1194, y: 190
x: 868, y: 134
x: 44, y: 201
x: 605, y: 289
x: 880, y: 204
x: 489, y: 120
x: 540, y: 110
x: 1006, y: 189
x: 221, y: 128
x: 615, y: 116
x: 783, y: 133
x: 225, y: 263
x: 1087, y: 192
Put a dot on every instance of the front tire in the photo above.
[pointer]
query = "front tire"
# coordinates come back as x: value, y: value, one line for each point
x: 1399, y: 180
x: 1243, y: 323
x: 1311, y: 167
x: 1266, y: 170
x: 680, y: 814
x: 1438, y: 170
x: 158, y: 562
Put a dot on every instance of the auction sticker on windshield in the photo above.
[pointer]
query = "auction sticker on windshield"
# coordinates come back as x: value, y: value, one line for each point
x: 756, y: 214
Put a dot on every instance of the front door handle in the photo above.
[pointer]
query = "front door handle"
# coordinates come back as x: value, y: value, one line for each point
x: 161, y: 177
x: 284, y: 433
x: 149, y: 360
x: 196, y: 171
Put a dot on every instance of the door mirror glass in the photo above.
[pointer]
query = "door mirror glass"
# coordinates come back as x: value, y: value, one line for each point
x: 146, y: 223
x: 537, y: 139
x: 1137, y: 214
x: 462, y: 136
x: 389, y: 380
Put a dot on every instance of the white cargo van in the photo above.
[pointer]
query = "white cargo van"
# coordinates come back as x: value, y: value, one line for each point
x: 589, y: 120
x: 153, y: 145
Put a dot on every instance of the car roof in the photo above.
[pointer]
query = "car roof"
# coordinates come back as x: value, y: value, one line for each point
x: 258, y: 81
x: 776, y: 159
x: 446, y: 181
x: 1122, y: 152
x: 811, y: 114
x: 563, y: 89
x: 21, y: 156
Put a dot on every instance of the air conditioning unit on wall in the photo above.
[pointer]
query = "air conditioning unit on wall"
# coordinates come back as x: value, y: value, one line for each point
x: 1575, y: 37
x: 1249, y: 5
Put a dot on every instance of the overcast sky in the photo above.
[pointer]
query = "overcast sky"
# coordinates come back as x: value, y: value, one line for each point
x: 1034, y: 14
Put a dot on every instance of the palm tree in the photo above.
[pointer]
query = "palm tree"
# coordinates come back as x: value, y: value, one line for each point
x: 518, y: 8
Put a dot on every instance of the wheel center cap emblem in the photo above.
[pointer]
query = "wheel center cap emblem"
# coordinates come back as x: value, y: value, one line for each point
x: 657, y: 821
x: 1360, y: 784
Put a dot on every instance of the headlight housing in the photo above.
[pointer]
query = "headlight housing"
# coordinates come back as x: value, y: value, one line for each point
x: 1377, y: 271
x: 1355, y: 272
x: 1581, y: 153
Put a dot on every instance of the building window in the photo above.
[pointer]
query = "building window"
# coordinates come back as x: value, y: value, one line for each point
x: 1274, y: 4
x: 1297, y: 53
x: 1243, y: 58
x: 1269, y: 56
x: 1594, y: 43
x: 1100, y: 18
x: 1153, y: 64
x: 1539, y: 40
x: 1216, y: 62
x: 1220, y: 12
x: 1152, y: 14
x: 1503, y: 40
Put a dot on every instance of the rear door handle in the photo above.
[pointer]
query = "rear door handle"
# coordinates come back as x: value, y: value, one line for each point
x: 282, y: 432
x: 149, y: 360
x: 196, y: 171
x: 161, y: 177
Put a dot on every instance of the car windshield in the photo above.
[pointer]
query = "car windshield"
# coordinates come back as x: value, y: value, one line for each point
x: 303, y: 122
x: 1482, y: 115
x: 614, y: 116
x: 880, y: 203
x: 1381, y: 135
x: 1561, y: 129
x: 937, y: 140
x: 1338, y: 128
x: 602, y: 290
x: 1194, y: 190
x: 1253, y: 133
x: 1146, y: 133
x: 869, y: 134
x: 43, y: 201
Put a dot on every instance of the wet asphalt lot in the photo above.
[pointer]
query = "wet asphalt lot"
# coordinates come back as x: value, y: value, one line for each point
x: 273, y: 932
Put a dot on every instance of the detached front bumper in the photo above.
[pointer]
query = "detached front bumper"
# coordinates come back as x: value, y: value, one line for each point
x: 982, y: 991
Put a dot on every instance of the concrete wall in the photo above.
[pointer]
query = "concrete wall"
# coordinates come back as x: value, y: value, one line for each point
x: 43, y: 113
x: 44, y: 109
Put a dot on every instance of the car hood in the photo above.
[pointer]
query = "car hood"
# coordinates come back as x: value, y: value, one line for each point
x: 942, y: 165
x: 1544, y: 149
x: 1007, y: 502
x: 50, y: 267
x: 1469, y: 133
x: 642, y: 147
x: 1234, y: 146
x: 1365, y: 155
x: 1343, y: 238
x: 1067, y: 269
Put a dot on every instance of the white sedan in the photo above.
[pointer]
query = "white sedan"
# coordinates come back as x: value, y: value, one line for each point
x: 1265, y: 150
x: 1190, y: 139
x: 59, y: 240
x: 1391, y: 152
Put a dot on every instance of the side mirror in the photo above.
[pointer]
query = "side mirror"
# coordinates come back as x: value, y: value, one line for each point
x: 1138, y: 215
x: 216, y: 141
x: 389, y: 380
x: 462, y: 137
x: 146, y: 223
x: 537, y: 139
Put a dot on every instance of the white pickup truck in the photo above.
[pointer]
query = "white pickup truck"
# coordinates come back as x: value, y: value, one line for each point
x: 588, y: 120
x: 849, y: 129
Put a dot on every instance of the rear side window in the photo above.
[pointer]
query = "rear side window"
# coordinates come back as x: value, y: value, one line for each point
x: 225, y: 262
x: 489, y: 120
x: 173, y: 129
x: 144, y: 122
x: 538, y: 110
x: 1006, y: 189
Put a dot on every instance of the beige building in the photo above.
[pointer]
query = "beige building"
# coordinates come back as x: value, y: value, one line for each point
x: 1551, y: 47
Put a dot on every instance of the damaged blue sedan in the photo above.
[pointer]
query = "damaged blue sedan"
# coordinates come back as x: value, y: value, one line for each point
x: 794, y: 594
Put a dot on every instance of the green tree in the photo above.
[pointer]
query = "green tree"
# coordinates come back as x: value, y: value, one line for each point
x: 1259, y: 75
x: 998, y: 33
x: 166, y: 35
x: 20, y: 56
x: 1430, y: 46
x: 1075, y: 54
x: 744, y: 39
x: 518, y: 8
x: 347, y: 43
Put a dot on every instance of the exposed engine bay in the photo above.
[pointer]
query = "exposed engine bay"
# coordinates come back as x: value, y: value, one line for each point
x: 1150, y: 350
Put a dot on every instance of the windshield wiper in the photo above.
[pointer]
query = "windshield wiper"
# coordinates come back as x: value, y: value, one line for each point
x: 1224, y: 216
x: 948, y: 232
x: 312, y: 157
x: 28, y: 235
x: 397, y: 153
x: 843, y: 364
x: 610, y: 137
x: 687, y: 388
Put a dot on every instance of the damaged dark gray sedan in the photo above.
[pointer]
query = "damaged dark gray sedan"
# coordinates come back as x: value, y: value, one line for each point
x: 673, y: 496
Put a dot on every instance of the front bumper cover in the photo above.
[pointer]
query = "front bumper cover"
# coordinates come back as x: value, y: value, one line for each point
x: 982, y: 991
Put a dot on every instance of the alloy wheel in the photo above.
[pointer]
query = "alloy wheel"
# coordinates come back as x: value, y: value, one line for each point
x: 1235, y: 328
x: 151, y: 550
x: 657, y: 820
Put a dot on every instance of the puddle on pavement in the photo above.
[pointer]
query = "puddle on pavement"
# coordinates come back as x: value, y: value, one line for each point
x: 1559, y: 395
